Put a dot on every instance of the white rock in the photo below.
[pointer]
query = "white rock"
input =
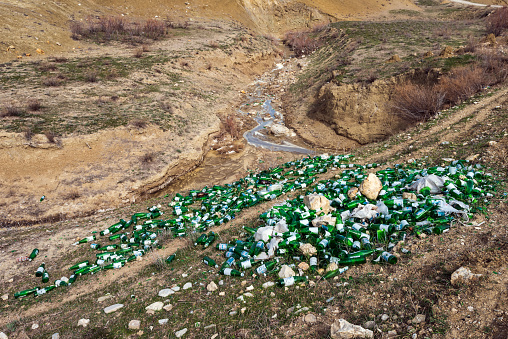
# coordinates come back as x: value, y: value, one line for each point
x: 344, y: 330
x: 101, y: 299
x: 470, y: 308
x: 463, y: 276
x: 163, y: 321
x: 286, y: 272
x: 211, y: 287
x: 419, y: 318
x: 385, y: 317
x: 232, y: 313
x: 165, y: 292
x: 316, y: 201
x: 187, y: 286
x: 83, y: 322
x: 113, y: 308
x: 371, y: 186
x: 184, y: 275
x: 222, y: 294
x: 156, y: 306
x: 36, y: 326
x: 54, y: 336
x: 248, y: 294
x: 5, y: 297
x: 310, y: 318
x: 168, y: 307
x: 3, y: 335
x: 249, y: 288
x: 180, y: 333
x: 134, y: 324
x: 214, y: 336
x: 268, y: 284
x: 307, y: 249
x: 176, y: 288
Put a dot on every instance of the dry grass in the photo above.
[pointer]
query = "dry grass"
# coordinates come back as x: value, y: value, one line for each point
x: 91, y: 76
x: 28, y: 134
x: 11, y: 110
x: 301, y: 42
x: 34, y: 105
x: 72, y: 195
x: 497, y: 21
x: 231, y: 126
x: 417, y: 102
x: 462, y: 83
x: 495, y: 64
x: 52, y: 81
x: 148, y: 158
x: 50, y: 136
x: 118, y: 28
x: 138, y: 123
x: 138, y: 53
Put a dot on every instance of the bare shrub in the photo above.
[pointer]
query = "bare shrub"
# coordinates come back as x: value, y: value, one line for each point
x: 138, y: 53
x: 472, y: 45
x: 462, y: 83
x: 11, y: 110
x: 145, y: 48
x: 52, y: 81
x: 139, y: 123
x: 47, y: 67
x: 444, y: 32
x: 497, y: 21
x: 320, y: 27
x: 34, y: 105
x: 495, y: 64
x: 154, y: 29
x: 416, y: 102
x: 301, y: 43
x: 231, y: 126
x: 91, y: 76
x: 214, y: 44
x: 28, y: 134
x: 50, y: 136
x: 72, y: 195
x: 167, y: 107
x: 148, y: 158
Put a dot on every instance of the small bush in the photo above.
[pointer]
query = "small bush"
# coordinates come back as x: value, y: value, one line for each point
x: 138, y: 123
x: 28, y: 134
x: 47, y: 67
x: 11, y: 110
x: 417, y: 102
x: 301, y: 43
x: 138, y: 53
x: 92, y: 76
x: 231, y: 126
x: 462, y: 83
x: 72, y: 195
x: 497, y: 21
x: 148, y: 158
x: 52, y: 81
x: 50, y: 136
x: 34, y: 105
x: 495, y: 64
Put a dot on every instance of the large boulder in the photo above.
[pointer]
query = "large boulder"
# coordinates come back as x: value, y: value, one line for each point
x: 371, y: 186
x: 341, y: 329
x: 463, y: 276
x: 317, y: 202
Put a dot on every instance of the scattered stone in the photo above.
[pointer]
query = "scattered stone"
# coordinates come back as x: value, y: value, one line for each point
x: 175, y: 288
x: 344, y: 330
x: 419, y: 318
x: 394, y: 58
x: 290, y: 310
x: 134, y: 324
x: 232, y: 313
x: 308, y: 249
x: 5, y: 297
x: 180, y: 333
x: 472, y: 157
x: 101, y: 299
x: 243, y: 310
x: 268, y: 284
x: 214, y: 336
x: 222, y: 294
x: 303, y: 309
x: 470, y: 308
x: 156, y: 306
x: 249, y: 288
x: 243, y: 283
x: 272, y: 294
x: 36, y: 326
x: 492, y: 143
x: 409, y: 196
x: 316, y: 202
x: 54, y: 336
x: 446, y: 52
x: 113, y: 308
x: 166, y: 292
x: 184, y: 275
x: 211, y: 287
x: 163, y: 321
x: 303, y: 266
x: 371, y: 186
x: 209, y: 326
x: 351, y: 194
x: 221, y: 282
x: 385, y: 317
x: 428, y: 54
x: 370, y: 325
x: 168, y: 307
x: 286, y: 272
x: 332, y: 267
x: 83, y: 322
x: 324, y: 220
x: 330, y: 299
x: 310, y: 318
x: 248, y: 294
x: 463, y: 276
x: 278, y: 129
x: 187, y: 286
x: 392, y: 334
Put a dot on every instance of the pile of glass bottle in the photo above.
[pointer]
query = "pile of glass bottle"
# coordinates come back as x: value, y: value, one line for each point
x: 347, y: 242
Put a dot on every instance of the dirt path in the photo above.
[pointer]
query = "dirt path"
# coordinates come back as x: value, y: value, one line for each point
x: 468, y: 3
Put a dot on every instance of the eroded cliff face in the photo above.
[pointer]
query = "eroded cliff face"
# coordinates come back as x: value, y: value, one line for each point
x: 359, y: 112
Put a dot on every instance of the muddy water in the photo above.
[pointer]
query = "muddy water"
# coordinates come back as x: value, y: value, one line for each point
x: 261, y: 152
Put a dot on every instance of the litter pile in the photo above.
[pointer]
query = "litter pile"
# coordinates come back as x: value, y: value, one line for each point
x: 334, y: 224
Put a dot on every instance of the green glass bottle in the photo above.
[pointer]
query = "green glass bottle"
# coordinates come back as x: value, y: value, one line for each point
x: 352, y: 261
x: 170, y: 258
x: 336, y: 272
x: 231, y: 272
x: 228, y: 263
x: 79, y: 265
x: 313, y: 263
x: 263, y: 269
x: 44, y: 290
x: 34, y: 253
x: 45, y: 277
x: 40, y: 270
x: 201, y: 240
x: 389, y: 258
x: 246, y: 264
x: 209, y: 261
x: 210, y: 240
x: 72, y: 279
x: 25, y: 292
x: 291, y: 280
x: 249, y: 229
x: 87, y: 239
